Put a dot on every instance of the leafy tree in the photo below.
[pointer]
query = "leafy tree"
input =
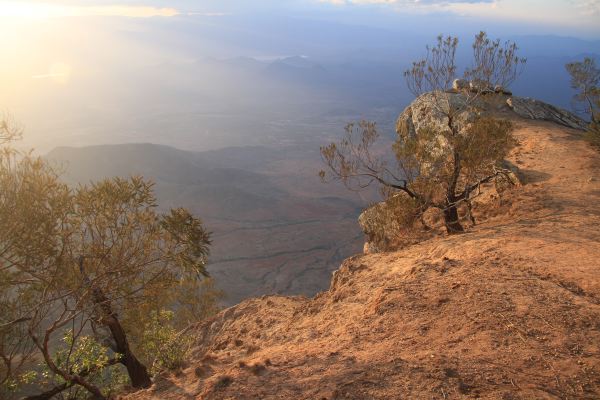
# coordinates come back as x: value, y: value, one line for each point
x: 443, y: 164
x: 82, y: 269
x: 585, y: 78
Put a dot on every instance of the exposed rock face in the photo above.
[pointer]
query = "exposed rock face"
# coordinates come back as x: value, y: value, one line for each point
x: 427, y: 112
x: 480, y: 86
x: 499, y: 89
x: 372, y: 224
x: 538, y: 110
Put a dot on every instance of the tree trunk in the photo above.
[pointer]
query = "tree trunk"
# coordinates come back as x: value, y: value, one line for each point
x: 138, y: 373
x: 451, y: 220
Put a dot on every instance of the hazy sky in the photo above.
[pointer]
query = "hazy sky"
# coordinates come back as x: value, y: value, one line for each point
x: 102, y: 71
x: 572, y: 17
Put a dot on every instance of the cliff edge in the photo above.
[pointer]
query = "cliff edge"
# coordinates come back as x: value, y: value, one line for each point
x: 509, y: 310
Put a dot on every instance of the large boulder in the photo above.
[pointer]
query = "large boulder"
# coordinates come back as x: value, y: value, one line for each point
x: 429, y: 111
x: 370, y: 221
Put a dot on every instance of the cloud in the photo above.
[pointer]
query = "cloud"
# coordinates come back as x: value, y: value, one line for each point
x: 588, y: 7
x: 208, y: 14
x: 462, y: 7
x: 58, y: 72
x: 407, y: 2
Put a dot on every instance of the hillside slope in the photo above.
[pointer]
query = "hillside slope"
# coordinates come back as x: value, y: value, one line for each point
x: 276, y: 228
x: 510, y: 310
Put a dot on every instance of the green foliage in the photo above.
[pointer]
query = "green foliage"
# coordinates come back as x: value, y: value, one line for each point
x: 84, y: 356
x: 193, y: 240
x: 390, y: 224
x: 592, y: 134
x: 433, y: 164
x: 485, y: 142
x: 11, y: 385
x: 164, y: 346
x: 92, y: 262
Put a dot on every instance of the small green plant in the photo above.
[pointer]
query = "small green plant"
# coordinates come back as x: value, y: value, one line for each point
x: 592, y: 134
x: 223, y: 382
x: 84, y: 356
x: 165, y: 347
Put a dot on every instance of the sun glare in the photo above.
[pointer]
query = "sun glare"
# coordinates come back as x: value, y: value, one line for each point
x: 41, y: 10
x: 22, y: 9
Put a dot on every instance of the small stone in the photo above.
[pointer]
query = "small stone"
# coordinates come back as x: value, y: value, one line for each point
x: 499, y: 89
x: 480, y: 86
x: 460, y: 84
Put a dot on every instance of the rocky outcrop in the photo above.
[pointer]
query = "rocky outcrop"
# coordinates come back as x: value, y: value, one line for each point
x: 478, y: 86
x: 373, y: 223
x: 538, y: 110
x: 427, y: 111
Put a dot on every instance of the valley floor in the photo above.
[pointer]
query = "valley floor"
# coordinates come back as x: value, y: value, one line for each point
x: 509, y: 310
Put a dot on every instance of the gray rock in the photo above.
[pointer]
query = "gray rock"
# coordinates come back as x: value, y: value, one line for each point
x: 460, y: 85
x: 430, y: 111
x: 501, y: 90
x: 538, y: 110
x: 372, y: 224
x: 480, y: 86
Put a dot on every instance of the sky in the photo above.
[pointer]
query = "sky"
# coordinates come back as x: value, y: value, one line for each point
x: 105, y: 71
x: 573, y: 17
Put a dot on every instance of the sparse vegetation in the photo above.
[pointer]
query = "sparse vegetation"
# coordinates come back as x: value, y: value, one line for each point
x: 223, y: 382
x: 585, y: 78
x: 9, y: 129
x: 163, y: 344
x: 441, y: 165
x: 95, y: 283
